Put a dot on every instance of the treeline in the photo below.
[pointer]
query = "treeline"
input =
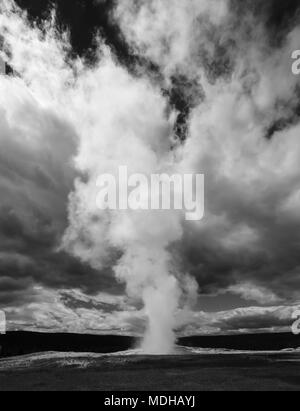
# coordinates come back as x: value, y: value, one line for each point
x: 245, y: 342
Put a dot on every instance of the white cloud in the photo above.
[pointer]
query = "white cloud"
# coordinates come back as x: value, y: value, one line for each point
x: 252, y: 292
x: 169, y: 32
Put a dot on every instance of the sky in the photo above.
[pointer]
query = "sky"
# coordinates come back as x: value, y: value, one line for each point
x: 207, y: 83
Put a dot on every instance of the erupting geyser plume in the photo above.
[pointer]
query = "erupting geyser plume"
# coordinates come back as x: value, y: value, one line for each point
x: 232, y: 101
x: 123, y: 121
x: 117, y: 119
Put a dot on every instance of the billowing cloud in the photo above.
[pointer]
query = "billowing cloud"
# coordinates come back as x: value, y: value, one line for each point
x: 71, y: 311
x: 242, y: 320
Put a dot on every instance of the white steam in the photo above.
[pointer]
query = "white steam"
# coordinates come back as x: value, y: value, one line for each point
x: 119, y: 120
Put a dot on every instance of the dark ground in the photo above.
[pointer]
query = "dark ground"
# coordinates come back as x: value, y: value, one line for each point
x: 229, y: 372
x: 55, y: 369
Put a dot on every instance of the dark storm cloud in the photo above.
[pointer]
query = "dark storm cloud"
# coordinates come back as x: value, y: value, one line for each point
x: 30, y: 257
x: 279, y: 17
x: 254, y: 322
x: 84, y: 20
x: 254, y: 238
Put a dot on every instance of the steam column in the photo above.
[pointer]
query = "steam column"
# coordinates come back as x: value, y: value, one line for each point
x: 2, y: 67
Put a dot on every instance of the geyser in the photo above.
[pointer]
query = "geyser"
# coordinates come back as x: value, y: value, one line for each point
x: 118, y: 119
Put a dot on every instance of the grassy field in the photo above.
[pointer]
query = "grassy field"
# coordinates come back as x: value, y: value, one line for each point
x: 86, y: 372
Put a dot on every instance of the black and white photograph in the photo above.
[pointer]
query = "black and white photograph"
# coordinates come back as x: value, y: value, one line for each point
x: 150, y: 198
